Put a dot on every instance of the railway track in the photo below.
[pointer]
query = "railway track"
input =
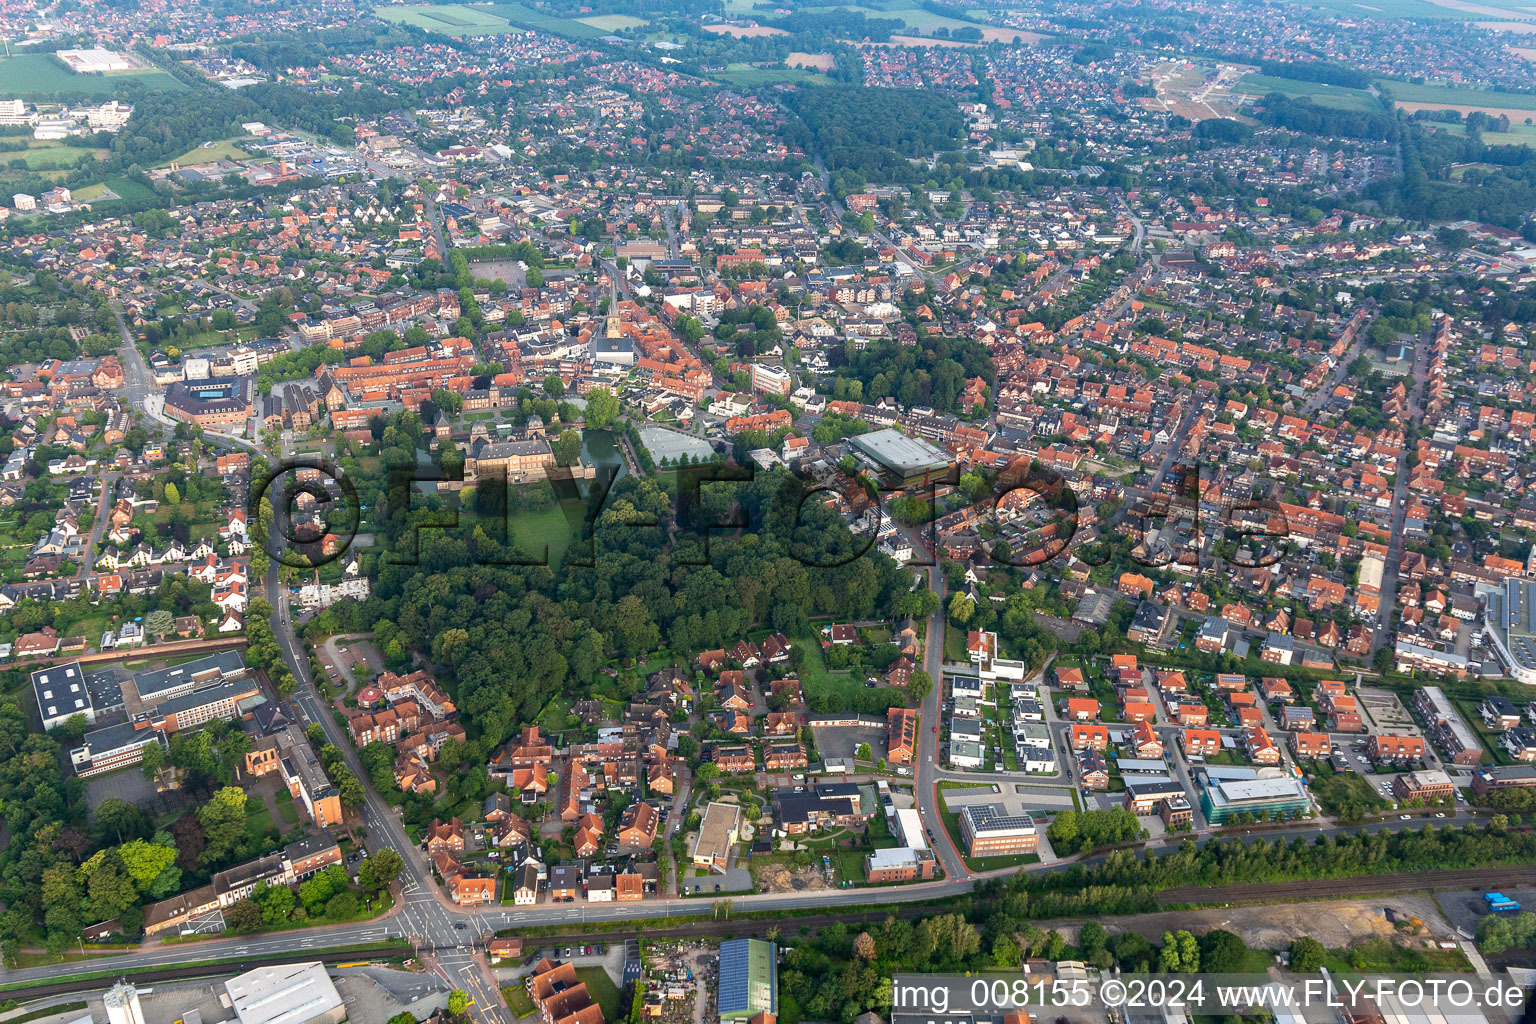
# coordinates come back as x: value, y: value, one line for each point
x: 103, y: 979
x: 1343, y: 888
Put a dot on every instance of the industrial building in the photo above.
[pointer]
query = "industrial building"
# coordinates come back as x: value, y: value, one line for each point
x: 1511, y: 618
x: 749, y: 979
x: 122, y: 1004
x: 899, y: 460
x: 286, y: 994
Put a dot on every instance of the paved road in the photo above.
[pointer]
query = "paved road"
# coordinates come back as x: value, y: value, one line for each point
x: 425, y: 917
x: 927, y: 788
x: 1393, y: 564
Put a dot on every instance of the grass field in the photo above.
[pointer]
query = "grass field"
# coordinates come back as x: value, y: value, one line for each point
x: 39, y: 73
x: 613, y: 22
x: 1519, y: 106
x: 526, y: 17
x: 130, y: 191
x: 602, y: 990
x: 746, y: 75
x: 1386, y: 8
x: 1518, y: 135
x: 50, y: 154
x: 449, y: 19
x: 533, y: 529
x: 225, y: 150
x: 816, y: 679
x: 915, y: 19
x: 1318, y: 92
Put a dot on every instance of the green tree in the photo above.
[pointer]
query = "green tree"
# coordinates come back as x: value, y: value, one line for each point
x: 244, y: 916
x: 380, y: 869
x: 145, y: 861
x: 1307, y: 954
x: 919, y: 686
x: 567, y: 448
x: 223, y: 821
x: 961, y: 608
x: 458, y: 1003
x: 602, y: 408
x: 159, y: 622
x: 1222, y: 952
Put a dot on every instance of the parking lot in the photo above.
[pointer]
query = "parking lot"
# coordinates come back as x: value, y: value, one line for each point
x: 842, y: 740
x: 131, y: 785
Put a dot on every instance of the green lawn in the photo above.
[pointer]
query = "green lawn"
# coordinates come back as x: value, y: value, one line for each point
x: 258, y: 820
x: 816, y: 679
x: 129, y: 191
x: 50, y: 155
x: 224, y: 150
x: 33, y: 74
x: 602, y: 990
x: 1318, y: 92
x: 745, y: 76
x: 534, y: 529
x: 613, y: 22
x: 518, y: 1001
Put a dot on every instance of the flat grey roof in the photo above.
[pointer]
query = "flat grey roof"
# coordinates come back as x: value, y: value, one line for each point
x: 227, y: 663
x: 897, y: 451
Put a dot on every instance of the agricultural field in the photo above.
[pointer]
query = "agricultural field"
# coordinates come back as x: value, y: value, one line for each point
x: 1519, y: 106
x: 817, y: 61
x: 449, y: 19
x: 1387, y: 8
x: 745, y: 75
x: 915, y: 19
x: 521, y: 16
x: 36, y: 74
x: 613, y: 22
x: 1322, y: 94
x: 1451, y: 96
x: 1518, y: 135
x: 745, y: 31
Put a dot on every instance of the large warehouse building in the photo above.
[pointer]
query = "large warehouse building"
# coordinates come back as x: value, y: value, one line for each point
x: 749, y: 979
x: 286, y: 994
x: 901, y: 461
